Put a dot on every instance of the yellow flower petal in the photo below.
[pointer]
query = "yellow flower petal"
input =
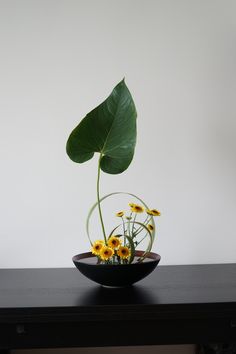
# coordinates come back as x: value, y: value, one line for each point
x: 137, y: 208
x: 106, y: 253
x: 153, y: 212
x: 132, y: 205
x: 123, y: 252
x: 97, y: 246
x: 114, y: 242
x: 120, y: 214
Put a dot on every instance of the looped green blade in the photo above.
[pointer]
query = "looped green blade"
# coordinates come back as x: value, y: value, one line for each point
x: 151, y: 234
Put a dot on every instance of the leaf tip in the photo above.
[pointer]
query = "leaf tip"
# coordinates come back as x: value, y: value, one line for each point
x: 122, y: 81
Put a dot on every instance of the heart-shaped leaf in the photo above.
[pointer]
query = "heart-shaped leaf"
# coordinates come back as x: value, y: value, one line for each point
x: 109, y: 129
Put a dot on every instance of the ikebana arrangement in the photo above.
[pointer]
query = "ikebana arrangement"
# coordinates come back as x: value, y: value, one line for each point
x: 110, y: 131
x: 120, y: 248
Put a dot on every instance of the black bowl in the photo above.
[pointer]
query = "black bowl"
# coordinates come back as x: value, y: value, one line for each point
x: 116, y: 274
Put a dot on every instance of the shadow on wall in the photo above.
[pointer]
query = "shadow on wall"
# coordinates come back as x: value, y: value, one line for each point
x: 160, y: 349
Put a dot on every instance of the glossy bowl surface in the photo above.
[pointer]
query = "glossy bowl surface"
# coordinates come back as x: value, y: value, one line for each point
x: 116, y: 274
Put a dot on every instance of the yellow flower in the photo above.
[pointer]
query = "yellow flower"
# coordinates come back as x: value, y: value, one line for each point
x: 106, y: 253
x: 150, y: 227
x: 153, y: 212
x: 131, y: 205
x: 123, y: 252
x: 97, y: 246
x: 120, y: 214
x: 137, y: 208
x: 114, y: 242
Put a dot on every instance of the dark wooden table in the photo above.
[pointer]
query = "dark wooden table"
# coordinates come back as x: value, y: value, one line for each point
x: 61, y: 308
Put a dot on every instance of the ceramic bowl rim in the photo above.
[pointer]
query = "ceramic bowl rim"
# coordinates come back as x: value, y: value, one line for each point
x: 153, y: 257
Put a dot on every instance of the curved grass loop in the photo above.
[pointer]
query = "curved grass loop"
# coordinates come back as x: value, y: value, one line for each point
x: 151, y: 234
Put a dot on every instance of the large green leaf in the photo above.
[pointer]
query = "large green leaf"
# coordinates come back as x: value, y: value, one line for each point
x: 109, y: 129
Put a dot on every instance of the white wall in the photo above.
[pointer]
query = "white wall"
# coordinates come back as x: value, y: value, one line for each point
x: 59, y: 59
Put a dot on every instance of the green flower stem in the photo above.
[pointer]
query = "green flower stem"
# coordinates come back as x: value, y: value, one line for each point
x: 142, y: 239
x: 130, y: 217
x: 124, y: 230
x: 133, y: 226
x: 146, y: 221
x: 98, y: 200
